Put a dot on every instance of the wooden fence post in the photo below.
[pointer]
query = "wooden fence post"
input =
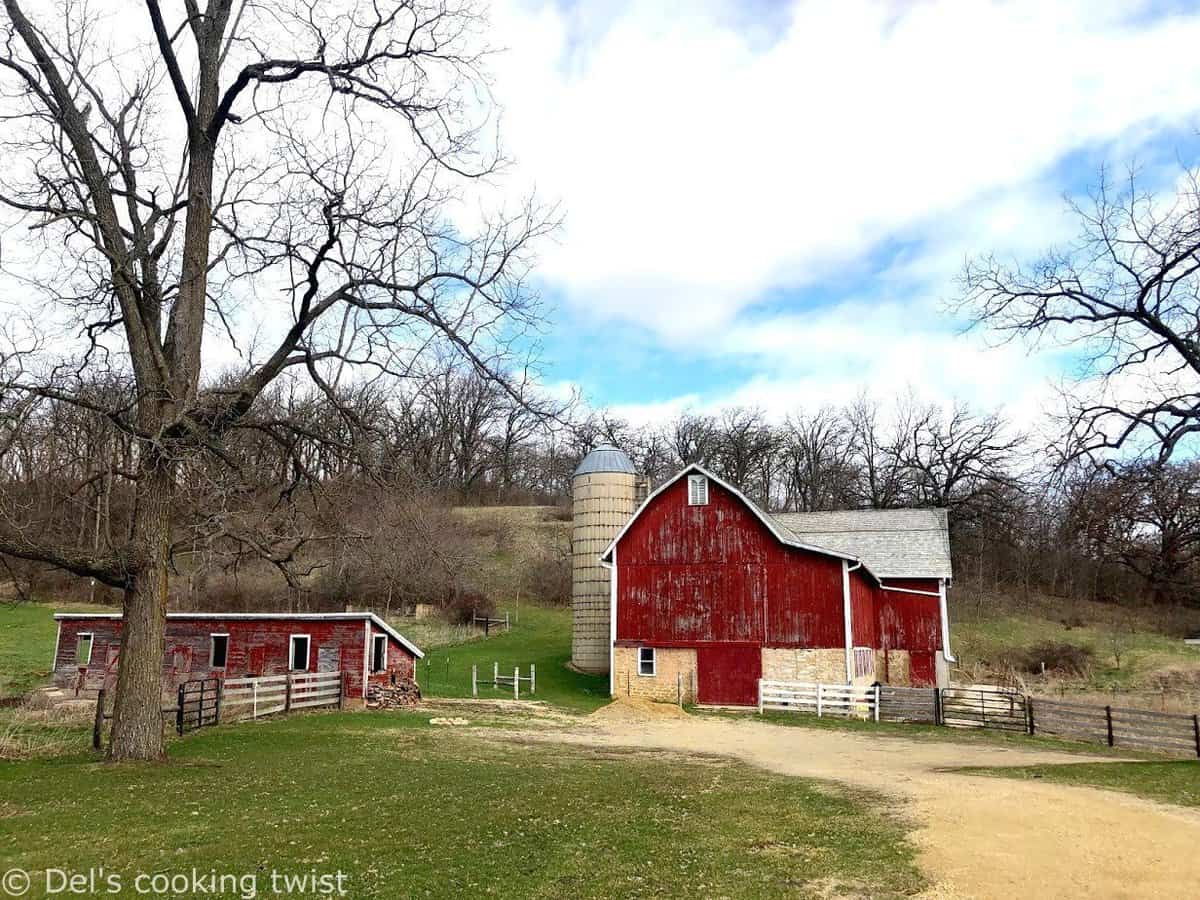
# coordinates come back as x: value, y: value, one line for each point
x: 507, y: 627
x: 495, y: 674
x: 341, y: 688
x: 179, y: 712
x: 1029, y: 716
x: 98, y: 726
x: 820, y: 687
x: 1108, y: 721
x: 516, y: 682
x: 876, y: 702
x: 532, y: 679
x: 939, y: 713
x: 474, y: 680
x: 760, y: 697
x: 1196, y: 731
x: 220, y: 694
x: 254, y: 700
x: 287, y: 693
x: 679, y: 688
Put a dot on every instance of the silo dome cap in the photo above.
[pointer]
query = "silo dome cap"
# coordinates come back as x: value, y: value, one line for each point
x: 606, y: 458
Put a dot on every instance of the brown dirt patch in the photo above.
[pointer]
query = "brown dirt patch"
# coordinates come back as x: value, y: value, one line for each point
x: 637, y: 709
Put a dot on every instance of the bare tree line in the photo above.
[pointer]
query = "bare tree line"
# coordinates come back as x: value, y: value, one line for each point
x: 354, y: 504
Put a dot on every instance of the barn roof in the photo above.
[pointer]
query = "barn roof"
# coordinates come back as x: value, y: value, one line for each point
x: 893, y: 543
x: 781, y: 534
x: 303, y: 617
x: 890, y: 543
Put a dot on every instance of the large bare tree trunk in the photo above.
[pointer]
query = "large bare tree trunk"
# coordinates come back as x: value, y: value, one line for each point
x: 137, y: 719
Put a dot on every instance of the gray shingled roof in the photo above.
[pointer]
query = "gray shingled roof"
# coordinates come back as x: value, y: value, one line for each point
x: 894, y: 543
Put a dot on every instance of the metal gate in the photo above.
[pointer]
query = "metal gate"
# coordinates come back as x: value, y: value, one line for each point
x: 199, y: 704
x: 997, y: 708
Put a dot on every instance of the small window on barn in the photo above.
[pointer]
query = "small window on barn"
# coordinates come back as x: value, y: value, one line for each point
x: 646, y: 661
x: 83, y: 648
x: 298, y: 653
x: 218, y: 650
x: 378, y: 653
x: 697, y: 490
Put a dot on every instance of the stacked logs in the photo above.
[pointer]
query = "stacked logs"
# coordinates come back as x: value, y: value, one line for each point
x: 401, y: 695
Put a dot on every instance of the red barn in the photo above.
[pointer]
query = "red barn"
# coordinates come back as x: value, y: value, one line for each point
x: 710, y: 593
x: 216, y: 645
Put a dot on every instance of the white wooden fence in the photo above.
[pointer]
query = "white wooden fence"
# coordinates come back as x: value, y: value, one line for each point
x: 823, y: 699
x: 249, y: 698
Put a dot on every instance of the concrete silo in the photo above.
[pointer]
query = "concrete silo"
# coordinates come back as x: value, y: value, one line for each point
x: 605, y: 492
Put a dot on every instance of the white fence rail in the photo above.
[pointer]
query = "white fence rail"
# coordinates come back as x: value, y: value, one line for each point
x: 250, y: 698
x: 822, y: 699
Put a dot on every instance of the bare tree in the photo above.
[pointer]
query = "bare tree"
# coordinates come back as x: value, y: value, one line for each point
x: 301, y: 159
x: 1125, y: 295
x: 818, y: 453
x: 958, y: 458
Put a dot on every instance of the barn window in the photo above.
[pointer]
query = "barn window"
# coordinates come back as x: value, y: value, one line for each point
x: 298, y: 654
x: 646, y: 662
x: 697, y: 490
x: 83, y: 648
x: 218, y: 650
x: 379, y: 653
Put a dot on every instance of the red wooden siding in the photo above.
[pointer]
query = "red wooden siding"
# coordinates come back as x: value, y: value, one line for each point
x: 863, y: 603
x: 256, y: 647
x: 909, y: 621
x: 716, y: 573
x: 728, y: 673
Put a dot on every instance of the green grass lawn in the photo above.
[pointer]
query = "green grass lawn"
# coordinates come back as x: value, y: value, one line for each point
x: 1175, y: 782
x: 407, y: 809
x: 27, y: 633
x: 541, y: 637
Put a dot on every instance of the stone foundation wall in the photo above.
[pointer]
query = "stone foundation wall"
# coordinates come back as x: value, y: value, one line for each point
x: 796, y: 664
x: 665, y: 684
x: 894, y: 668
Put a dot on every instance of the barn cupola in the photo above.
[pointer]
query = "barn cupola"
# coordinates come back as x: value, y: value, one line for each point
x: 605, y: 491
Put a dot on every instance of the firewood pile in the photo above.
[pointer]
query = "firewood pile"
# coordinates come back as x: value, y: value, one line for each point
x: 401, y: 695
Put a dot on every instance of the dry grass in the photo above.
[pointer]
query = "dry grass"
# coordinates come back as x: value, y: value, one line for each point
x: 36, y: 729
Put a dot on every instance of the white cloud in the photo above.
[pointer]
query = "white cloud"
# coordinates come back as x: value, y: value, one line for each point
x: 703, y: 162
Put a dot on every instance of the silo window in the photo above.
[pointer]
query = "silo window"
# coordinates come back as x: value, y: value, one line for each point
x: 697, y: 490
x: 646, y: 661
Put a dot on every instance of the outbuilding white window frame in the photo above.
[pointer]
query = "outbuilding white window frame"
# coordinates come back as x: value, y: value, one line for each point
x: 379, y: 657
x: 647, y: 658
x: 697, y: 490
x: 91, y: 643
x: 292, y: 652
x: 212, y: 650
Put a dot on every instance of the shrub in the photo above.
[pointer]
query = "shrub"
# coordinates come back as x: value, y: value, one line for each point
x: 465, y: 602
x: 548, y: 579
x: 1063, y: 658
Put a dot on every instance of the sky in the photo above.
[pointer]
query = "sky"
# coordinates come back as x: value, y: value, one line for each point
x: 768, y: 203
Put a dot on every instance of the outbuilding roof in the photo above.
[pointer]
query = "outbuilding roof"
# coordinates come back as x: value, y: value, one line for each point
x: 893, y: 543
x: 318, y: 617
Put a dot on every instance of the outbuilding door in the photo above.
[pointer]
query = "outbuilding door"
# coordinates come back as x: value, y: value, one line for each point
x: 728, y: 674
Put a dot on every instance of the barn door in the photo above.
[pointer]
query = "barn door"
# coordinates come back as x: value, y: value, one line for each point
x: 110, y: 667
x: 728, y: 674
x: 922, y: 671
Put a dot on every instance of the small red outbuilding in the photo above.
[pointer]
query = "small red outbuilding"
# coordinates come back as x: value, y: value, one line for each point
x: 710, y: 593
x: 219, y: 645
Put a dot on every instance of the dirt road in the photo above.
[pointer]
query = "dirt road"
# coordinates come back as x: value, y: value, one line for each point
x: 978, y: 837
